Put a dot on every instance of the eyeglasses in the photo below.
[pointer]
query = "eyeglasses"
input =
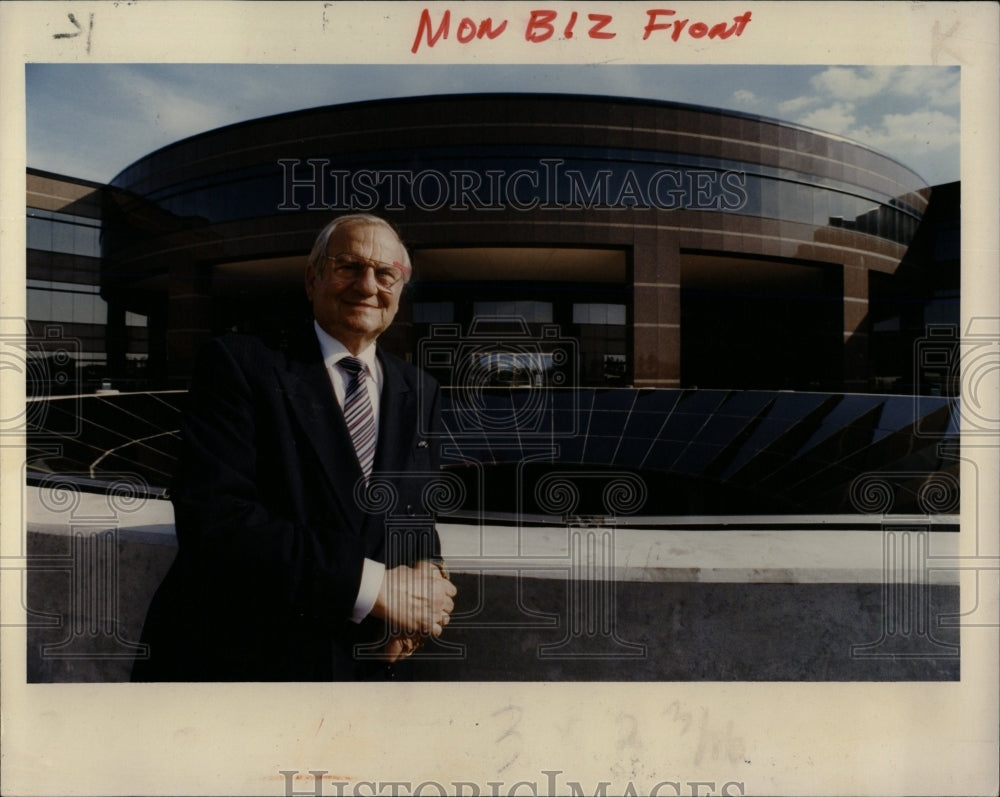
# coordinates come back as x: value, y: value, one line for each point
x: 349, y: 268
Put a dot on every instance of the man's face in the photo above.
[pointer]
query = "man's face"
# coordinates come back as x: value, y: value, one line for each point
x: 356, y: 312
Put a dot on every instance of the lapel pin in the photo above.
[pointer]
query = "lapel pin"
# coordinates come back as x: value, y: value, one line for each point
x: 422, y: 444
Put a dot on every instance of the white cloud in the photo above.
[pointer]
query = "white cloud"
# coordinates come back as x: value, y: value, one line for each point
x: 796, y: 105
x: 848, y: 83
x: 837, y: 118
x: 907, y: 112
x: 937, y: 86
x: 91, y: 121
x: 912, y: 133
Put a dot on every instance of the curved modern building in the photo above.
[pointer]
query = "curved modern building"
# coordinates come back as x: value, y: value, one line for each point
x: 655, y: 244
x: 616, y: 253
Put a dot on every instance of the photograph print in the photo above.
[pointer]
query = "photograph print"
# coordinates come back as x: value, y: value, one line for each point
x: 654, y: 360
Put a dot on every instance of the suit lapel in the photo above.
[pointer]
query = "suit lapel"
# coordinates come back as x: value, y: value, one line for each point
x: 397, y: 419
x: 310, y: 396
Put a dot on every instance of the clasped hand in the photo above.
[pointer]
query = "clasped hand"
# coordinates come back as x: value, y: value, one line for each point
x: 416, y: 603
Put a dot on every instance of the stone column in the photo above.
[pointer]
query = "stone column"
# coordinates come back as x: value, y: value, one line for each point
x: 856, y: 327
x: 157, y: 363
x: 656, y: 307
x: 189, y: 320
x: 116, y: 337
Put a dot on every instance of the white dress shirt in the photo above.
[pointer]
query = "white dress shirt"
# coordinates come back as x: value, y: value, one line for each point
x: 333, y: 351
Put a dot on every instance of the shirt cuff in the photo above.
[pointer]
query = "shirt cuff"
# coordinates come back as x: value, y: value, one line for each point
x: 372, y: 574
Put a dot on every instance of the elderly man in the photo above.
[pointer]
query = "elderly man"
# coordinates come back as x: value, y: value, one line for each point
x: 304, y: 549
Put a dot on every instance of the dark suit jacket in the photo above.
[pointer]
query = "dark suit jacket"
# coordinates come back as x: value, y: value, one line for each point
x: 273, y: 521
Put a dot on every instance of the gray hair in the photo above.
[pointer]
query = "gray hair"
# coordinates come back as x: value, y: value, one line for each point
x: 317, y: 257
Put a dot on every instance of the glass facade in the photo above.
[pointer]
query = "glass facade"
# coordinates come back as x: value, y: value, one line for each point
x: 489, y: 178
x: 49, y: 231
x: 433, y: 312
x: 517, y: 346
x: 689, y: 296
x: 659, y: 185
x: 531, y: 311
x: 601, y: 329
x: 64, y: 299
x: 698, y: 452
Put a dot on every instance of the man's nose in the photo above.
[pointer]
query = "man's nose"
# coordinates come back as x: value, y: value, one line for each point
x: 366, y: 282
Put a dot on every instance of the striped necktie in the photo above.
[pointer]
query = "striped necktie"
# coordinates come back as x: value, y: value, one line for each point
x: 358, y: 413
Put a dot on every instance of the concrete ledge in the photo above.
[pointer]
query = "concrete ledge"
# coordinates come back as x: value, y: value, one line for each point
x: 708, y: 555
x: 75, y: 511
x: 716, y: 550
x: 551, y: 603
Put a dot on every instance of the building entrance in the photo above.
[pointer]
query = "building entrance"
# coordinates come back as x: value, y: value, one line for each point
x: 520, y: 317
x: 752, y: 324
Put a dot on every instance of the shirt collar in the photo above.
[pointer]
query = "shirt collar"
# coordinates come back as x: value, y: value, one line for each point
x: 333, y: 350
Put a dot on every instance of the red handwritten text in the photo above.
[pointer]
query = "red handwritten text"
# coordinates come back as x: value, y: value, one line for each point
x: 541, y: 28
x: 696, y: 31
x: 468, y: 29
x: 545, y: 24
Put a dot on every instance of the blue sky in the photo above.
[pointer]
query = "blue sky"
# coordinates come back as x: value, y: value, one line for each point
x: 92, y: 120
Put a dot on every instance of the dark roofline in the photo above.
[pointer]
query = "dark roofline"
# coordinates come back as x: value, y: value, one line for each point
x: 523, y: 95
x: 64, y: 178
